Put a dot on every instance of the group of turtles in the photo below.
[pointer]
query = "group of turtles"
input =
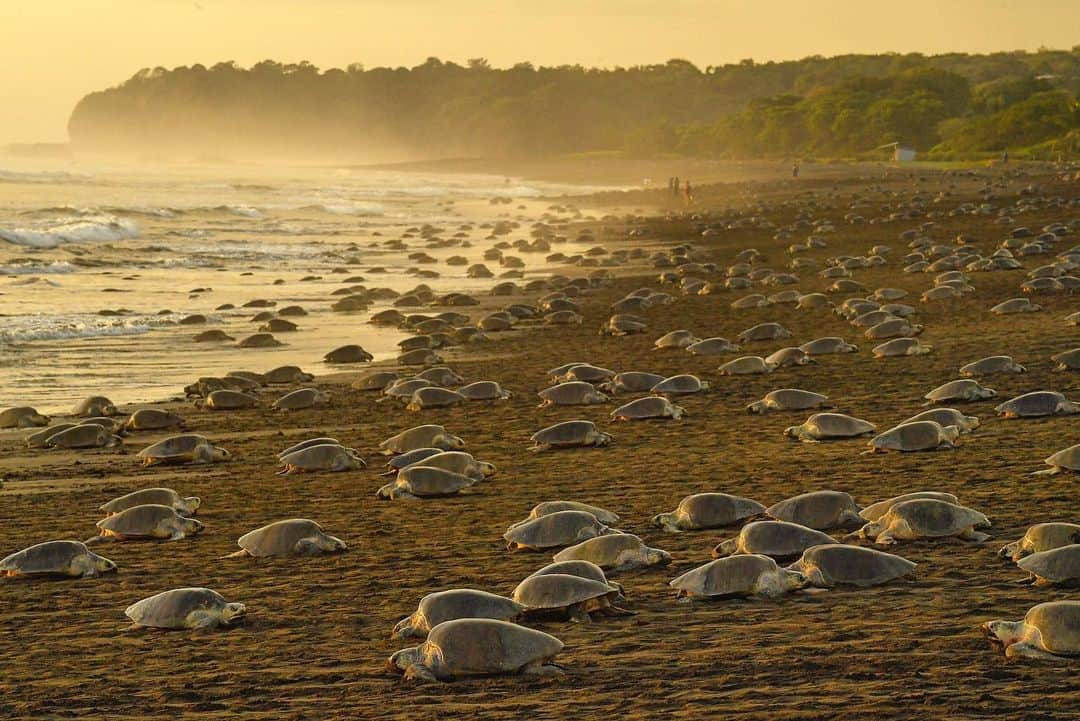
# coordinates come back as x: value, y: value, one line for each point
x: 772, y: 551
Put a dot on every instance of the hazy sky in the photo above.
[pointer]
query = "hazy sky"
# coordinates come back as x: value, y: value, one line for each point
x: 52, y: 52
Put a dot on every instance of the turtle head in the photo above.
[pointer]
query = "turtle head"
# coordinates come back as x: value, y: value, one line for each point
x: 233, y: 613
x: 1010, y: 550
x: 725, y: 548
x: 1004, y: 632
x: 386, y: 491
x: 192, y: 526
x: 333, y: 544
x: 454, y: 442
x: 487, y: 469
x: 988, y: 393
x: 657, y: 557
x: 792, y: 431
x: 665, y: 521
x: 101, y: 564
x: 870, y: 530
x: 757, y: 407
x: 603, y: 439
x: 108, y: 409
x: 677, y: 412
x: 403, y: 660
x: 951, y: 433
x: 793, y: 580
x: 407, y: 627
x: 191, y: 504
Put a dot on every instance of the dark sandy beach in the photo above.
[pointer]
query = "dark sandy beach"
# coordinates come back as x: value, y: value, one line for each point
x: 317, y: 633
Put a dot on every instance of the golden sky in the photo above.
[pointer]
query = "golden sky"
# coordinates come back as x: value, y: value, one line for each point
x: 52, y: 52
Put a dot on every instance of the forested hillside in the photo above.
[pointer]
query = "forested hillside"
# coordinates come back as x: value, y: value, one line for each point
x: 955, y: 105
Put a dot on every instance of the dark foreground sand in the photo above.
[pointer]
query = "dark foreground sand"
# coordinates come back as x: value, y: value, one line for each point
x: 317, y: 633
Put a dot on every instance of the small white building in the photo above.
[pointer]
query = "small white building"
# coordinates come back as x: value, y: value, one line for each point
x: 903, y: 154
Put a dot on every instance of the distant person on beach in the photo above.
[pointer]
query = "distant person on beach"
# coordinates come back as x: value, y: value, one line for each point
x: 689, y: 193
x: 1005, y: 157
x: 675, y: 187
x: 795, y: 169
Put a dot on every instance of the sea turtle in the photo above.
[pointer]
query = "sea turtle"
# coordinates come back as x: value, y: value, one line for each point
x: 788, y: 399
x: 456, y: 461
x: 293, y: 537
x: 901, y: 347
x: 746, y: 365
x: 876, y: 510
x: 893, y: 328
x: 213, y: 336
x: 777, y: 539
x: 581, y: 569
x: 484, y: 391
x: 713, y: 346
x: 425, y: 482
x: 185, y: 448
x: 301, y: 399
x: 838, y: 564
x: 320, y: 441
x: 915, y: 436
x: 351, y: 353
x: 683, y: 384
x: 56, y: 558
x: 150, y: 520
x: 1049, y: 632
x: 925, y: 518
x: 946, y: 417
x: 324, y: 457
x: 651, y: 407
x: 961, y: 390
x: 990, y: 366
x: 153, y: 419
x: 552, y: 530
x: 764, y: 331
x: 376, y: 381
x: 226, y: 400
x: 569, y: 434
x: 1042, y: 537
x: 403, y: 389
x: 825, y: 346
x: 40, y: 439
x: 186, y: 608
x: 87, y: 435
x: 566, y: 596
x: 260, y: 340
x: 1015, y: 305
x: 614, y: 553
x: 1064, y: 460
x: 94, y: 406
x: 442, y: 606
x: 630, y: 382
x: 1056, y: 567
x: 548, y: 507
x: 676, y: 339
x: 820, y: 510
x: 827, y: 426
x: 441, y: 376
x: 742, y: 576
x: 155, y: 496
x: 786, y: 357
x: 428, y: 436
x: 708, y: 510
x: 434, y: 397
x: 1067, y: 360
x: 583, y: 372
x: 1038, y: 404
x: 478, y: 647
x: 22, y: 417
x: 572, y: 393
x: 283, y: 375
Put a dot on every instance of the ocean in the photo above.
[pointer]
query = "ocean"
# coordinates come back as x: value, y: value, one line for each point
x: 99, y: 263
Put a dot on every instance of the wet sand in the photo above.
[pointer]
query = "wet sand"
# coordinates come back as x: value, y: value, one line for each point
x: 317, y: 632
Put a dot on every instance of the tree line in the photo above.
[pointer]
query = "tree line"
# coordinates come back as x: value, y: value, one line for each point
x: 946, y: 105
